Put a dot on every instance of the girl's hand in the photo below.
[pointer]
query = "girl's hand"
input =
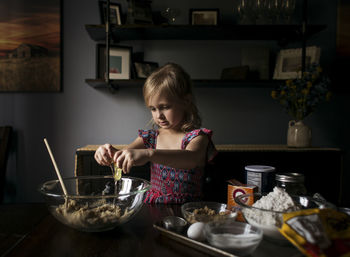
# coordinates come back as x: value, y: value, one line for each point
x: 125, y: 159
x: 104, y: 154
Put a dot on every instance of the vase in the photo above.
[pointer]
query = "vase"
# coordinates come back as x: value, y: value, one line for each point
x: 299, y: 135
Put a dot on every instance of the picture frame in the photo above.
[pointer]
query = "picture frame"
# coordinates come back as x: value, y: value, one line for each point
x: 119, y: 61
x: 204, y: 17
x: 288, y: 64
x: 343, y: 25
x: 144, y: 69
x: 31, y: 58
x: 141, y: 12
x: 339, y: 68
x: 257, y: 58
x: 114, y: 15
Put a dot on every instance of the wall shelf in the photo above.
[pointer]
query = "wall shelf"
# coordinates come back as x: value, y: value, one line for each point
x: 197, y: 83
x: 188, y: 32
x: 101, y: 83
x: 283, y: 34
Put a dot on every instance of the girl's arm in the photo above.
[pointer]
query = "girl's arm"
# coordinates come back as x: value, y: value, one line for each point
x: 136, y: 144
x: 193, y: 156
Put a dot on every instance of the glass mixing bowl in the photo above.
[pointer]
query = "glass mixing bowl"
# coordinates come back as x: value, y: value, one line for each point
x: 94, y: 203
x: 202, y: 211
x: 268, y: 220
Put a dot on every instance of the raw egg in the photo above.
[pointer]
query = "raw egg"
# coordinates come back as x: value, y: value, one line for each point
x: 196, y: 231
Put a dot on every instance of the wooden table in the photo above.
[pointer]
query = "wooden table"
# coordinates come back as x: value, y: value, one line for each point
x: 28, y: 230
x: 16, y: 221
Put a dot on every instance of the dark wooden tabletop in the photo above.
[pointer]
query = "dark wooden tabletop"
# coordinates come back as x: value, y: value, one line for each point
x: 29, y: 230
x: 16, y: 221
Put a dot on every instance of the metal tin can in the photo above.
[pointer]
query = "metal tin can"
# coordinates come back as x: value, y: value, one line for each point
x: 261, y: 176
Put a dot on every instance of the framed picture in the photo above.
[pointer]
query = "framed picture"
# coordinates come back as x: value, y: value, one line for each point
x: 339, y: 69
x: 30, y: 54
x: 288, y: 63
x: 343, y: 29
x: 119, y: 61
x: 204, y: 16
x: 114, y: 13
x: 258, y: 61
x: 141, y: 12
x: 144, y: 69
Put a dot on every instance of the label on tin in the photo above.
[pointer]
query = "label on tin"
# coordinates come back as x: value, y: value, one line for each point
x: 261, y: 176
x: 254, y: 178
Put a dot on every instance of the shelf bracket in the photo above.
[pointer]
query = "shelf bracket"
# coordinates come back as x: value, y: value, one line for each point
x: 303, y: 34
x: 113, y: 88
x: 107, y: 41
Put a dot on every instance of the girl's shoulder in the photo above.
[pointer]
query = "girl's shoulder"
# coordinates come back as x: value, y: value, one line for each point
x: 149, y: 137
x: 196, y: 132
x: 211, y: 150
x: 147, y: 132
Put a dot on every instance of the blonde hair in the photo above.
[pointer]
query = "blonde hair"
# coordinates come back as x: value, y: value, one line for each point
x: 174, y: 80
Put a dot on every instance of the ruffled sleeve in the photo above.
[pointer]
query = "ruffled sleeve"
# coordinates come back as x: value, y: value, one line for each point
x: 211, y: 151
x: 148, y: 137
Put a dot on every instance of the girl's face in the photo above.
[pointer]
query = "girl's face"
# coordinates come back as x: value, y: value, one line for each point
x: 167, y: 111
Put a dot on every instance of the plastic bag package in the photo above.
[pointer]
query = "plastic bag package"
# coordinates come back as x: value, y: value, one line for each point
x: 318, y: 232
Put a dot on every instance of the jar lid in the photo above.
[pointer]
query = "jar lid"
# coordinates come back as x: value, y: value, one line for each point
x: 259, y: 168
x: 290, y: 177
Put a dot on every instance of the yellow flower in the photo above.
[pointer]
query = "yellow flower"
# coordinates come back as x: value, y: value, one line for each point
x: 300, y: 95
x: 305, y: 91
x: 274, y: 94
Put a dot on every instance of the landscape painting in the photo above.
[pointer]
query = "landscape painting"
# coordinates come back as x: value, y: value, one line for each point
x: 343, y: 29
x: 30, y: 46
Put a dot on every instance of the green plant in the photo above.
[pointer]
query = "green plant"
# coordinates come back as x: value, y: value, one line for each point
x: 302, y: 95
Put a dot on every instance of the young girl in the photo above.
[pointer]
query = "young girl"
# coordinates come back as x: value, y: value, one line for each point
x: 177, y: 147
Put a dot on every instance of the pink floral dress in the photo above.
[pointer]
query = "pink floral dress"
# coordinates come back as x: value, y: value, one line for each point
x: 170, y: 185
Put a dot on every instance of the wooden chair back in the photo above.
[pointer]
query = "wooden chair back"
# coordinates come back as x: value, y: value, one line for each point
x: 5, y: 136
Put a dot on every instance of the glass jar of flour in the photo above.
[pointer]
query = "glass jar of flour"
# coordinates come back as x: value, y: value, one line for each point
x: 292, y: 183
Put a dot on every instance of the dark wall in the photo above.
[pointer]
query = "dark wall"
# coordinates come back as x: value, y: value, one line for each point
x: 81, y: 115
